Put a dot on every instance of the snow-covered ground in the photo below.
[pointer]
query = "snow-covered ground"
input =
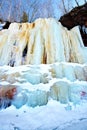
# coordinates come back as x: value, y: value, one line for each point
x: 53, y: 116
x: 37, y: 103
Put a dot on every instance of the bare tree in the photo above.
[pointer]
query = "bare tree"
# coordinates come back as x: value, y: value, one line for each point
x: 63, y: 1
x: 65, y: 6
x: 77, y: 2
x: 85, y: 1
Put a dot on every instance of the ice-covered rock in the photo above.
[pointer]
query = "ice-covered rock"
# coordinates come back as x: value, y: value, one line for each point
x: 60, y: 91
x: 37, y: 84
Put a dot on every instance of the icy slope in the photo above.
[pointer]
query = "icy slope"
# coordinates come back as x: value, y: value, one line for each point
x: 44, y: 41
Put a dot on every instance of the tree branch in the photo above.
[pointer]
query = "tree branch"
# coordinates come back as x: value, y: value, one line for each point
x: 64, y: 6
x: 77, y: 2
x: 85, y: 1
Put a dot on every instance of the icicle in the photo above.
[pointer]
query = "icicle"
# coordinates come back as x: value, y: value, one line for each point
x: 47, y: 41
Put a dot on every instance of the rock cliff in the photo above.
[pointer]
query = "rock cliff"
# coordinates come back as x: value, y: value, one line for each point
x: 77, y: 16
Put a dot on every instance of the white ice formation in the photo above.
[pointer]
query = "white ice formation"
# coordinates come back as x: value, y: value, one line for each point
x: 53, y: 63
x: 43, y: 42
x: 36, y: 84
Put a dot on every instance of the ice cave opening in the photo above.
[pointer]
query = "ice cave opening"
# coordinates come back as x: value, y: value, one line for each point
x: 49, y: 61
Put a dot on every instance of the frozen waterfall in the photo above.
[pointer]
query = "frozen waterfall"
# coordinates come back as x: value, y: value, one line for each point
x: 49, y: 63
x: 43, y: 42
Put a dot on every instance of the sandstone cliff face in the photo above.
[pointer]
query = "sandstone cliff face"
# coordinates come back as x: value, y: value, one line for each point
x: 77, y: 16
x: 43, y: 41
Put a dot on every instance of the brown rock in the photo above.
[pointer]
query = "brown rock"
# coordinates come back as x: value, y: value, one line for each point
x: 77, y: 16
x: 7, y: 91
